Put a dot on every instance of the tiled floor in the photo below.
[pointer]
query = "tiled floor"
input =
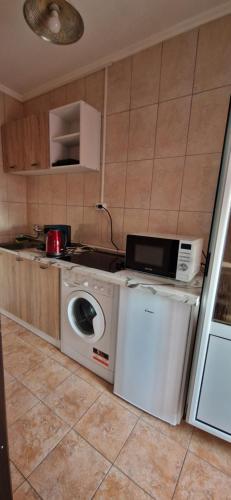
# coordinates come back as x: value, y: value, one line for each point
x: 70, y: 438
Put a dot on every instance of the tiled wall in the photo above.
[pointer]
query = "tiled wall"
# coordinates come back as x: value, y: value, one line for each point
x: 167, y: 108
x: 13, y: 189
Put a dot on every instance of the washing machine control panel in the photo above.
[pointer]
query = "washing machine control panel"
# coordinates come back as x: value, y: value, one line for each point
x: 74, y: 279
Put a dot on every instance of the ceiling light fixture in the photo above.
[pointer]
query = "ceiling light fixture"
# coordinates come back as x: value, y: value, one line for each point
x: 54, y: 21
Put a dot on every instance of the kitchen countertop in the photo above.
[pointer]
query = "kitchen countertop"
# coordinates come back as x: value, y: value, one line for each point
x: 188, y: 293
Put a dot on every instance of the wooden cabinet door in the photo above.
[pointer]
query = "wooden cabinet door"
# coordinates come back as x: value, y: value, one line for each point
x: 9, y: 293
x: 36, y: 141
x: 45, y: 299
x: 13, y: 145
x: 31, y: 291
x: 4, y: 283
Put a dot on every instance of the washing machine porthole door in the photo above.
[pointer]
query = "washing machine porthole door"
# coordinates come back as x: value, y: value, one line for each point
x: 86, y: 316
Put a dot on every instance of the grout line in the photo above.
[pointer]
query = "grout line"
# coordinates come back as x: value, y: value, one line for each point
x: 178, y: 479
x: 188, y: 129
x: 15, y: 491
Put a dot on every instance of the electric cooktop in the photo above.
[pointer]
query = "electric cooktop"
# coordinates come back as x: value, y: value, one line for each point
x: 107, y: 261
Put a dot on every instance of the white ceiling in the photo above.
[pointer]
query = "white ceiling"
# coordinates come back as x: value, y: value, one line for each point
x: 113, y: 28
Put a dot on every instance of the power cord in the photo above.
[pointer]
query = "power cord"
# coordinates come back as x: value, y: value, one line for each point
x: 109, y: 215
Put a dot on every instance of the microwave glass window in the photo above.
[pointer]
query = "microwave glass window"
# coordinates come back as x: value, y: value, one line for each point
x: 150, y: 255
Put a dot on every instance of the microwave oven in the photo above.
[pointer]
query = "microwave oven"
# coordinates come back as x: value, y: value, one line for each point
x: 168, y: 255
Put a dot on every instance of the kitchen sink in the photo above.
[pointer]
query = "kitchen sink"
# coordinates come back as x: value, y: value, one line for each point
x: 23, y: 245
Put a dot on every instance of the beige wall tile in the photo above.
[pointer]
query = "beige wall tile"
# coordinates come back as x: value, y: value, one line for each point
x: 119, y: 86
x: 4, y: 217
x: 32, y: 215
x: 146, y: 77
x: 75, y: 220
x: 138, y: 184
x: 117, y: 227
x: 75, y: 183
x: 16, y: 188
x: 58, y: 185
x: 75, y: 91
x: 167, y: 183
x: 117, y: 137
x: 44, y: 189
x: 178, y: 62
x: 214, y: 51
x: 91, y: 230
x: 17, y: 217
x: 95, y: 90
x: 207, y: 122
x: 91, y: 188
x: 195, y: 224
x: 44, y: 214
x: 142, y: 133
x: 200, y: 480
x: 32, y: 189
x: 200, y: 181
x: 135, y: 221
x: 115, y: 178
x: 59, y: 214
x: 172, y: 127
x: 162, y: 221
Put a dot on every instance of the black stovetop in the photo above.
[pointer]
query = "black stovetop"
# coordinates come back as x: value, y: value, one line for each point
x: 107, y: 261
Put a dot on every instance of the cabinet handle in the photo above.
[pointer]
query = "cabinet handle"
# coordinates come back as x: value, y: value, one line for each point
x: 44, y: 266
x: 35, y: 164
x: 19, y: 259
x: 13, y: 166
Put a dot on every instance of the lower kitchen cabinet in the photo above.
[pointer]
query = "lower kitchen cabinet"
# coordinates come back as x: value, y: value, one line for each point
x: 30, y: 291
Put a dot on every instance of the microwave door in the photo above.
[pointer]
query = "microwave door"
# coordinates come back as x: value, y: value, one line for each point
x: 152, y: 255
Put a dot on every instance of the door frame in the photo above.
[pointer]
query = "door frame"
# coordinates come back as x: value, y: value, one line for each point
x: 5, y: 479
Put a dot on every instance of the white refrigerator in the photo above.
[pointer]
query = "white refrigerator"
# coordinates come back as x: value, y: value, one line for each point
x: 209, y: 397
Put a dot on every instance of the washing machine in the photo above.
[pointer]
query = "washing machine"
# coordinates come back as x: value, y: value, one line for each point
x: 89, y: 316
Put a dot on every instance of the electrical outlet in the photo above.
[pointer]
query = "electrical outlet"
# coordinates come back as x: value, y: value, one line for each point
x: 100, y: 206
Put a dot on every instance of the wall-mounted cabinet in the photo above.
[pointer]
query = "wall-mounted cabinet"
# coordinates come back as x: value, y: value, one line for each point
x: 67, y: 139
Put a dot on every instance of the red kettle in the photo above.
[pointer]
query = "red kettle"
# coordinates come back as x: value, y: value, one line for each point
x: 54, y: 243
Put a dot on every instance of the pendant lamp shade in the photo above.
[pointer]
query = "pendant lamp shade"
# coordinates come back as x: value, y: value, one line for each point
x: 54, y: 21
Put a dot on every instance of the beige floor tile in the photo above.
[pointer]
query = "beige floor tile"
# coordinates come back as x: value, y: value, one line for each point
x: 36, y: 341
x: 152, y: 460
x: 18, y: 401
x: 212, y: 449
x: 11, y: 327
x: 118, y: 486
x: 7, y: 378
x: 16, y: 477
x: 93, y: 379
x: 72, y: 471
x: 22, y: 359
x: 106, y: 425
x: 25, y: 492
x: 65, y: 361
x: 10, y: 343
x: 180, y: 433
x: 43, y: 379
x: 125, y: 404
x: 201, y: 481
x: 71, y: 399
x: 33, y: 436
